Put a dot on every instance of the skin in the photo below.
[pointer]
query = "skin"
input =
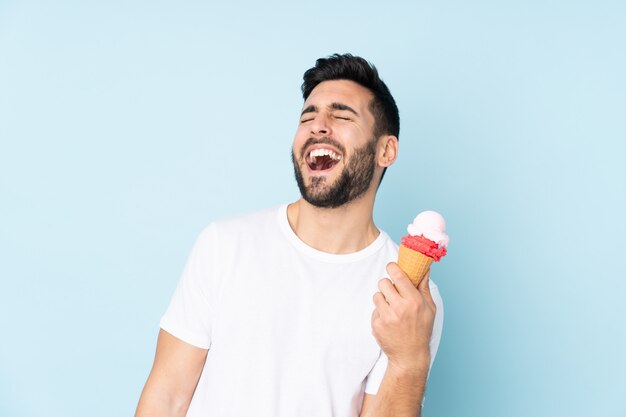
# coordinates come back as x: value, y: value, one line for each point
x: 403, y: 316
x: 173, y: 379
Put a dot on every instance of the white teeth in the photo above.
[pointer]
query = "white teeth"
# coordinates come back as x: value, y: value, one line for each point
x: 322, y: 152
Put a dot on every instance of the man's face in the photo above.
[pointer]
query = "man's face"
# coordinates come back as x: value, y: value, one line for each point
x: 334, y: 149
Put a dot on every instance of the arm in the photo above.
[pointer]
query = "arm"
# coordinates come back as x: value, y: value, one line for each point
x: 402, y: 324
x: 173, y: 379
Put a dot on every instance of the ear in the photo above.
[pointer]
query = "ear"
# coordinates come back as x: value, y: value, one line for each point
x: 387, y: 150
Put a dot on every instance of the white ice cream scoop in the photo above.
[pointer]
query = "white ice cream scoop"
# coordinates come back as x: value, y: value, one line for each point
x: 431, y: 225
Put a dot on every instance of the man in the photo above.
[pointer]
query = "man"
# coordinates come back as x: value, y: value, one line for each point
x: 284, y: 312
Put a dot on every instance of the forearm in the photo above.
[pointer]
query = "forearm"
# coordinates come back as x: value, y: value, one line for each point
x: 155, y: 402
x: 401, y: 391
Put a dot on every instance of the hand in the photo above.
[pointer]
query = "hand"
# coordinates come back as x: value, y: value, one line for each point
x: 402, y: 322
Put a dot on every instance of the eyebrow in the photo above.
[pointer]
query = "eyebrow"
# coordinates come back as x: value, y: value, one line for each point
x: 309, y: 109
x: 339, y: 106
x: 334, y: 106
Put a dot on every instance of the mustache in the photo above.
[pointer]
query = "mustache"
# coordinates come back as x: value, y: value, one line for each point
x: 323, y: 140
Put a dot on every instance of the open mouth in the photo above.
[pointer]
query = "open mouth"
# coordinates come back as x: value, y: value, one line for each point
x: 322, y: 159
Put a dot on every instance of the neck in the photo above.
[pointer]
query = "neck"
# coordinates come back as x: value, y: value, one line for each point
x: 340, y: 230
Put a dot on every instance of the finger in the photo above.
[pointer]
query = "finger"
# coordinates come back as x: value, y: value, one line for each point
x: 381, y: 303
x: 404, y: 286
x: 389, y: 291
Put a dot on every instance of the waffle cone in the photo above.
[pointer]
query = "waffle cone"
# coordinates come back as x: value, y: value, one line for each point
x: 414, y: 264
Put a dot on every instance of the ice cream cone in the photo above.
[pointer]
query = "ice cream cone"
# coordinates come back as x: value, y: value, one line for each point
x: 415, y: 264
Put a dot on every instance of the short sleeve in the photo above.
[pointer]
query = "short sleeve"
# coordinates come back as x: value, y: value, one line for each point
x: 438, y: 325
x: 189, y: 314
x: 375, y: 377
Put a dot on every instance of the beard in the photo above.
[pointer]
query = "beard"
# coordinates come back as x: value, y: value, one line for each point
x: 354, y: 180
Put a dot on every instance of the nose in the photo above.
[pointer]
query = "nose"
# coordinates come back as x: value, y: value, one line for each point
x: 321, y: 125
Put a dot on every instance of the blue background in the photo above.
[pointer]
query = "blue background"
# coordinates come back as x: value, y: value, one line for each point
x: 126, y: 127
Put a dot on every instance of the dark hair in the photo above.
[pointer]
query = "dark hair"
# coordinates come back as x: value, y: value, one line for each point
x: 357, y: 69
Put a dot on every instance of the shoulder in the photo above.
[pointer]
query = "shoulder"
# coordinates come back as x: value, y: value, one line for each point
x: 390, y: 245
x: 241, y: 228
x: 250, y: 222
x: 388, y: 249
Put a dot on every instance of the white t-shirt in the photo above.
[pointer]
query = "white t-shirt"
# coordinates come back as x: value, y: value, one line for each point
x: 288, y: 327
